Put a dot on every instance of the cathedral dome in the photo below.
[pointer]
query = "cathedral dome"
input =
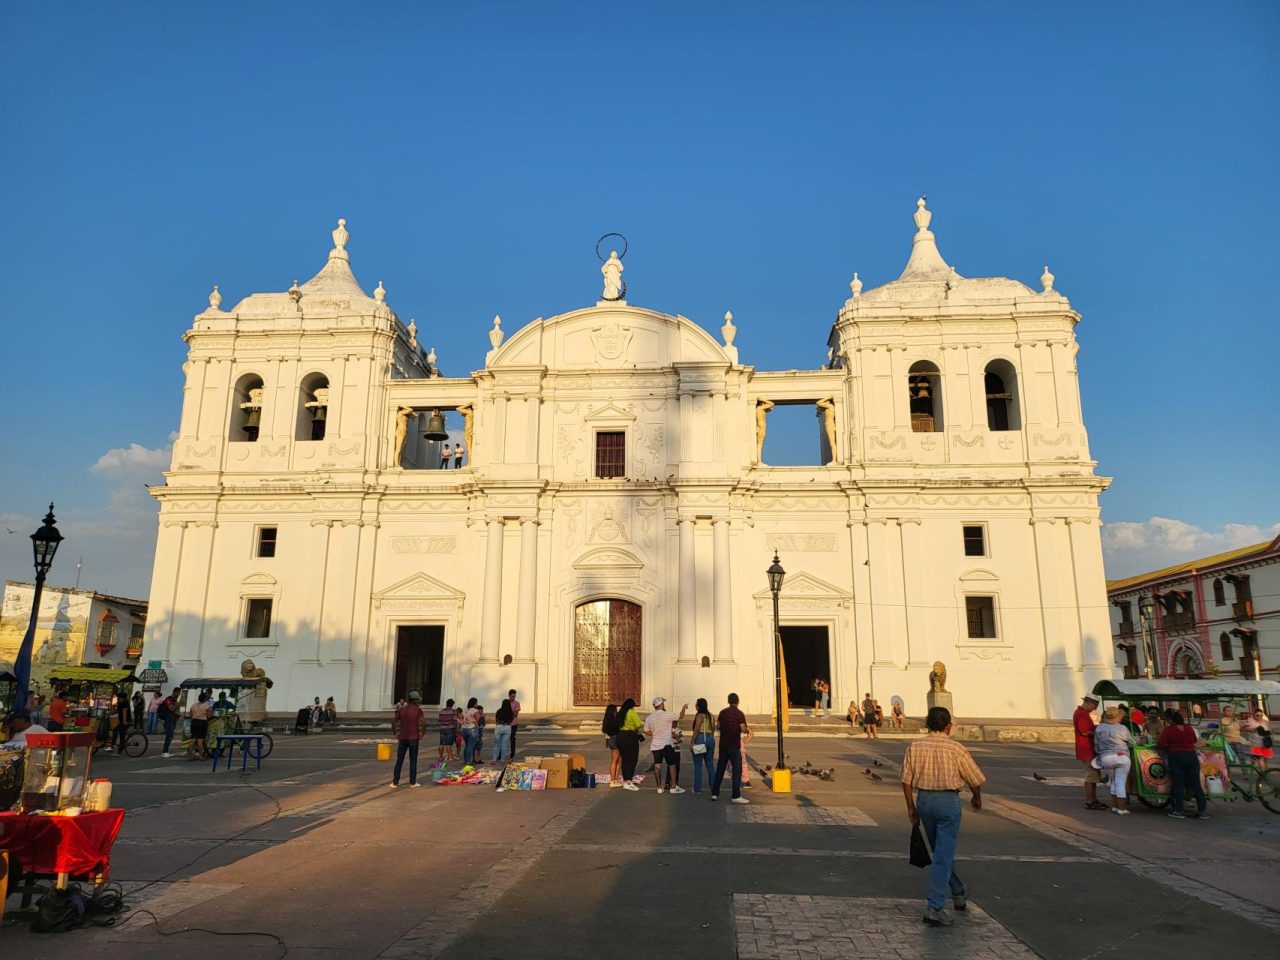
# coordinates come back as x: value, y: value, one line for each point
x: 333, y: 290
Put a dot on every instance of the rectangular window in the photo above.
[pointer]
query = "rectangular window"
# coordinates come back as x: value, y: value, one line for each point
x: 266, y: 541
x: 1225, y: 640
x: 982, y: 617
x: 257, y: 624
x: 136, y: 631
x: 107, y: 633
x: 611, y: 454
x: 975, y: 540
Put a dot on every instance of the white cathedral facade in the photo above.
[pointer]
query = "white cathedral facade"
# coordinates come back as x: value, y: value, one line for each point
x: 609, y: 531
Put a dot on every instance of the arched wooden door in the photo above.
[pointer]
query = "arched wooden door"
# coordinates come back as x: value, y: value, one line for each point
x: 606, y: 652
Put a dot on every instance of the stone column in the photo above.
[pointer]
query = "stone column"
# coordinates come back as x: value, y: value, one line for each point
x: 687, y: 589
x: 528, y: 595
x: 491, y: 611
x: 723, y: 605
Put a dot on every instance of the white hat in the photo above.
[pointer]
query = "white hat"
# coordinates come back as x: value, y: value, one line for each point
x: 659, y: 700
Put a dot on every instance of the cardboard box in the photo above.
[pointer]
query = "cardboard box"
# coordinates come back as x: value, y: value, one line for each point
x: 557, y: 769
x: 577, y: 761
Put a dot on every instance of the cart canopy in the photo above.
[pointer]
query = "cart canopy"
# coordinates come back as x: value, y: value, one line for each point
x: 92, y: 674
x: 221, y: 683
x: 1219, y: 689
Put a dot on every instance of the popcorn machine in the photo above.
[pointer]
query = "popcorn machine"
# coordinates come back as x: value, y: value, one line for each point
x: 57, y: 772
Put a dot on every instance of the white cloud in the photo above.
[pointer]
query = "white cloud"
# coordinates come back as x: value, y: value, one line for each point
x: 134, y: 458
x: 1131, y: 548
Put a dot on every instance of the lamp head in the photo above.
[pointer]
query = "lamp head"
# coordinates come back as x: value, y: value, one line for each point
x: 776, y: 575
x: 44, y: 543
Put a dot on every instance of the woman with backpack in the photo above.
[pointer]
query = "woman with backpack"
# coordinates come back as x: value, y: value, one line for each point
x: 1260, y: 743
x: 629, y: 737
x: 609, y: 727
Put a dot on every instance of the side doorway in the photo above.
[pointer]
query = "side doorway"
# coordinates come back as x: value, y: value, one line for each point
x: 806, y: 651
x: 419, y: 662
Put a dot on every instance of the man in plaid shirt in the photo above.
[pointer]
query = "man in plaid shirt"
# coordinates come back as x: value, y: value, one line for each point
x: 933, y: 771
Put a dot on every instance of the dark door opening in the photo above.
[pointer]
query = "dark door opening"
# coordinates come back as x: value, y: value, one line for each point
x: 419, y: 662
x: 807, y: 655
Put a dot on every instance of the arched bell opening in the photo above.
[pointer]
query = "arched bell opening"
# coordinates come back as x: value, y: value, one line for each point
x: 246, y: 408
x: 924, y: 393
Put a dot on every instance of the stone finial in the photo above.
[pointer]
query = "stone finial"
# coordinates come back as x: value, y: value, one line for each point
x: 496, y: 335
x: 340, y: 238
x: 1046, y: 280
x: 413, y: 330
x: 728, y: 331
x: 431, y: 357
x: 855, y: 285
x: 953, y: 278
x: 215, y: 299
x: 922, y: 216
x: 380, y: 293
x: 294, y: 293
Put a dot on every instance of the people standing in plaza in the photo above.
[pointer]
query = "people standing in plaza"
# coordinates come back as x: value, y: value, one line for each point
x: 199, y: 713
x: 152, y: 707
x: 629, y: 727
x: 934, y: 770
x: 408, y: 726
x: 168, y: 713
x: 502, y: 733
x: 869, y: 717
x: 467, y: 725
x: 732, y: 724
x: 746, y: 764
x: 1229, y: 724
x: 1178, y: 741
x: 138, y: 710
x: 515, y: 720
x: 609, y: 727
x: 704, y: 736
x: 815, y: 689
x: 481, y: 722
x: 1112, y: 740
x: 1261, y: 745
x: 120, y: 732
x: 448, y: 721
x: 446, y: 454
x: 1082, y: 722
x: 58, y: 711
x: 658, y: 727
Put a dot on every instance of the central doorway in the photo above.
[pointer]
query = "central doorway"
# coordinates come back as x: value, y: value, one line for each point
x: 606, y: 652
x: 419, y: 662
x: 806, y: 651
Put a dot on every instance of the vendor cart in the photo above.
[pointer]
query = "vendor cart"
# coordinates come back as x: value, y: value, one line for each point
x: 89, y: 690
x: 239, y: 706
x: 1225, y: 773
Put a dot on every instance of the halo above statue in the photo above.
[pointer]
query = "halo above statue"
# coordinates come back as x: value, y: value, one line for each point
x: 621, y: 256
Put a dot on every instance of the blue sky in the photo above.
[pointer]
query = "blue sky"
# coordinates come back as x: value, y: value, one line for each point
x: 754, y: 154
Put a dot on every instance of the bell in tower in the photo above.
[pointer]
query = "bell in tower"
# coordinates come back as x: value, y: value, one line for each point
x: 435, y: 427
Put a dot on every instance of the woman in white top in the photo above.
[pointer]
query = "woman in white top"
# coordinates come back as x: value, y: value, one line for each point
x: 1111, y: 740
x: 468, y: 721
x: 1260, y: 743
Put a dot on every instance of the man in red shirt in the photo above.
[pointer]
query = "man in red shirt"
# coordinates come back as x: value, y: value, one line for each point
x: 1085, y: 752
x: 409, y: 725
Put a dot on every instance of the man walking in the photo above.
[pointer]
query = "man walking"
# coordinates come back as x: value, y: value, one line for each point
x: 869, y: 721
x: 658, y: 725
x: 935, y: 768
x: 733, y: 726
x: 169, y: 717
x: 1082, y: 721
x: 408, y: 726
x: 448, y: 722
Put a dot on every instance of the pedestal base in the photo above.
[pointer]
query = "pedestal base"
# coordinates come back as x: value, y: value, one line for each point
x: 780, y: 780
x: 941, y: 699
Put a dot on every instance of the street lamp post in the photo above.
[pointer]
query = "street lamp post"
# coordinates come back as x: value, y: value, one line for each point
x: 781, y: 777
x: 44, y: 544
x: 1145, y: 611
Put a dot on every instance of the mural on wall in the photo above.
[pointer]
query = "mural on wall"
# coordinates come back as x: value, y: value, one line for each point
x: 61, y: 631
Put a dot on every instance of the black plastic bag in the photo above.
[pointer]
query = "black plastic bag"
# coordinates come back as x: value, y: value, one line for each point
x: 921, y: 856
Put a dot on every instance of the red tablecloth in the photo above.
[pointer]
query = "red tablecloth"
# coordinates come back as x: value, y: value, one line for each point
x: 72, y: 845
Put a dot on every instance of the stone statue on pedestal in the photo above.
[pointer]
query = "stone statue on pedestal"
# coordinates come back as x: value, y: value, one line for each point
x: 612, y: 271
x: 762, y: 414
x: 939, y: 696
x: 402, y: 432
x: 828, y: 408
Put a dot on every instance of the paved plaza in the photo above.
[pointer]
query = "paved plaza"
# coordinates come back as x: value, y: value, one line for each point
x: 314, y: 857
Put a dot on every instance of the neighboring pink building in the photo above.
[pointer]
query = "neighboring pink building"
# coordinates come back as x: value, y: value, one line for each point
x: 1218, y: 615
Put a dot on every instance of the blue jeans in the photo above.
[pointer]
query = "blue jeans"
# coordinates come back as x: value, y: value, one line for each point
x: 1184, y: 769
x: 705, y: 760
x: 470, y: 744
x: 169, y: 727
x: 501, y: 743
x: 411, y: 748
x: 729, y: 756
x: 940, y: 816
x: 152, y: 720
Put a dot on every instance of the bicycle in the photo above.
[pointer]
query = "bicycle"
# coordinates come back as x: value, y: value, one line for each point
x: 1263, y: 785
